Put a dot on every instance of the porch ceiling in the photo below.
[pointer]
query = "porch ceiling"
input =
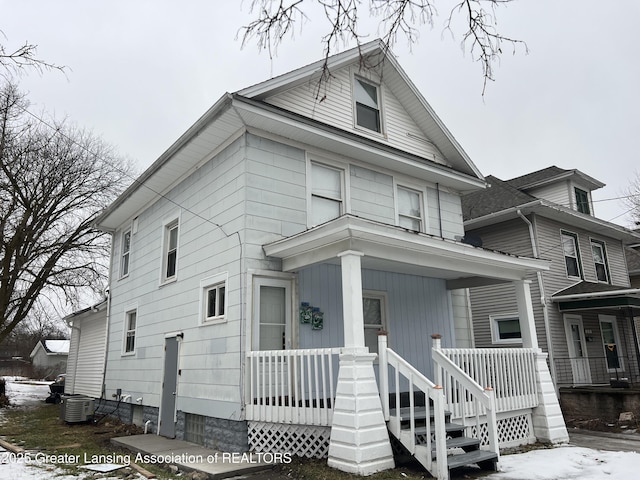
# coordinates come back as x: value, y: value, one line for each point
x: 390, y: 248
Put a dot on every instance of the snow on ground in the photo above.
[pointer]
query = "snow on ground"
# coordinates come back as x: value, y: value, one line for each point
x: 568, y: 462
x: 561, y: 463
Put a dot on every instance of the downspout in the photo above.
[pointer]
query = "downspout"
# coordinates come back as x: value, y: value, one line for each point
x: 543, y: 301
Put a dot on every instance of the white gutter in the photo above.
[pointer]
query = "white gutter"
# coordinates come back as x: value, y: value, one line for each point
x: 543, y: 300
x: 613, y: 293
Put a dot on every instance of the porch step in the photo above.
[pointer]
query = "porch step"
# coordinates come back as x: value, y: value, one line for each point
x: 465, y: 443
x: 420, y: 413
x: 483, y: 458
x: 454, y: 429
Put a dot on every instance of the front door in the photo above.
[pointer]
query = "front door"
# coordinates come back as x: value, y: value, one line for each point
x: 577, y: 349
x: 167, y: 426
x: 272, y: 313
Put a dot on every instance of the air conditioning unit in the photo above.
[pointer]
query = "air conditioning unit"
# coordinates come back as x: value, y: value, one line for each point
x: 78, y: 409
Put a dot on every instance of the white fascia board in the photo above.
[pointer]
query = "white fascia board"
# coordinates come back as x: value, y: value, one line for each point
x: 358, y: 148
x: 612, y: 293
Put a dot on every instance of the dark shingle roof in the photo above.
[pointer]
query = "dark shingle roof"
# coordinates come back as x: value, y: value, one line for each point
x: 498, y: 196
x: 588, y: 287
x: 534, y: 177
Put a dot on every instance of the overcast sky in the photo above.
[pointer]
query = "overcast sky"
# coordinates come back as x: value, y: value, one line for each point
x: 141, y: 72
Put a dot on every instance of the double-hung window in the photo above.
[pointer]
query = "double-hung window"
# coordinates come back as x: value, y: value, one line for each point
x: 409, y: 208
x: 582, y: 201
x: 367, y: 105
x: 600, y: 261
x: 571, y: 254
x: 327, y: 200
x: 126, y: 253
x: 131, y: 320
x: 170, y: 251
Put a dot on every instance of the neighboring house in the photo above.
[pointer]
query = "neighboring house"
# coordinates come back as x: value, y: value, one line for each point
x: 256, y: 262
x: 584, y: 304
x: 87, y: 351
x: 633, y: 264
x: 50, y: 356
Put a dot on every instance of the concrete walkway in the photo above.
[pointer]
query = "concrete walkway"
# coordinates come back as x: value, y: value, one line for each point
x: 617, y: 442
x: 189, y: 457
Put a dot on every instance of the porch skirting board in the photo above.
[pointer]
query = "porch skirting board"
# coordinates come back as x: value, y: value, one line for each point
x: 308, y: 441
x: 515, y: 428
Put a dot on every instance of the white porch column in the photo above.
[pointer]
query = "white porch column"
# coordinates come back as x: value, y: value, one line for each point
x: 525, y: 313
x: 359, y: 440
x: 548, y: 422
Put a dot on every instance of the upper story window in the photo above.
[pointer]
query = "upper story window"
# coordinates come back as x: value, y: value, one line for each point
x: 571, y: 254
x: 506, y: 329
x: 131, y: 319
x: 126, y: 253
x: 367, y: 101
x: 170, y: 250
x: 600, y: 260
x: 582, y: 201
x: 327, y: 199
x: 409, y: 208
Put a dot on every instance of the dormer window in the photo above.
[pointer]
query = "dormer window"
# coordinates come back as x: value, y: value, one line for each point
x: 367, y: 105
x: 582, y: 201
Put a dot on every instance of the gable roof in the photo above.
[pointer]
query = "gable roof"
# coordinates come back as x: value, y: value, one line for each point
x: 505, y: 200
x: 234, y: 114
x: 377, y: 54
x: 52, y: 347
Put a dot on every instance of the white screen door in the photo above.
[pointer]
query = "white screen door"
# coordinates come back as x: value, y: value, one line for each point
x: 577, y: 349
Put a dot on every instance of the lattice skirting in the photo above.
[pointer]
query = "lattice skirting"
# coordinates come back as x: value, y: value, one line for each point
x: 301, y: 440
x: 514, y: 429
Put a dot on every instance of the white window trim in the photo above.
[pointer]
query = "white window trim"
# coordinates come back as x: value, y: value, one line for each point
x: 166, y: 224
x: 345, y: 175
x: 205, y: 285
x: 375, y: 81
x: 125, y: 329
x: 383, y: 297
x: 616, y: 335
x: 122, y: 253
x: 494, y: 320
x: 422, y: 190
x: 576, y: 239
x: 607, y: 271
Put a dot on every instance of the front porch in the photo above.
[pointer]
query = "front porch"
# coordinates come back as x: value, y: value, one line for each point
x: 344, y: 400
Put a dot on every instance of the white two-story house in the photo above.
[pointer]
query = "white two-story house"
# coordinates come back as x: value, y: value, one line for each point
x: 259, y: 262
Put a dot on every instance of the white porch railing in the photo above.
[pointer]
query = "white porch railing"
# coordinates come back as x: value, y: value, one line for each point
x: 292, y: 386
x: 510, y: 372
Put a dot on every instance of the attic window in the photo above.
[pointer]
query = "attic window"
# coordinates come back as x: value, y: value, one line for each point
x: 367, y: 105
x: 582, y: 201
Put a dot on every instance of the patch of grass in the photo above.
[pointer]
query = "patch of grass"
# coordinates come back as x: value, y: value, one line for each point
x: 40, y: 429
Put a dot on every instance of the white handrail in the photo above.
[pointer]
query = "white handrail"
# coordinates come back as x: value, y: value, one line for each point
x: 465, y: 396
x: 387, y: 358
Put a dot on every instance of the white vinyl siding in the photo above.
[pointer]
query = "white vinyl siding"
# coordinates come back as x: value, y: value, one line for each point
x: 86, y: 355
x: 336, y: 109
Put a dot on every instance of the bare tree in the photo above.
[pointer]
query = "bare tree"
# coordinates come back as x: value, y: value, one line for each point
x: 277, y: 19
x: 54, y: 180
x: 632, y: 199
x: 16, y: 60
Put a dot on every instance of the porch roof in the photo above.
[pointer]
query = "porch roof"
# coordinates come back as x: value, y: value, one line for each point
x: 588, y: 295
x: 391, y: 248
